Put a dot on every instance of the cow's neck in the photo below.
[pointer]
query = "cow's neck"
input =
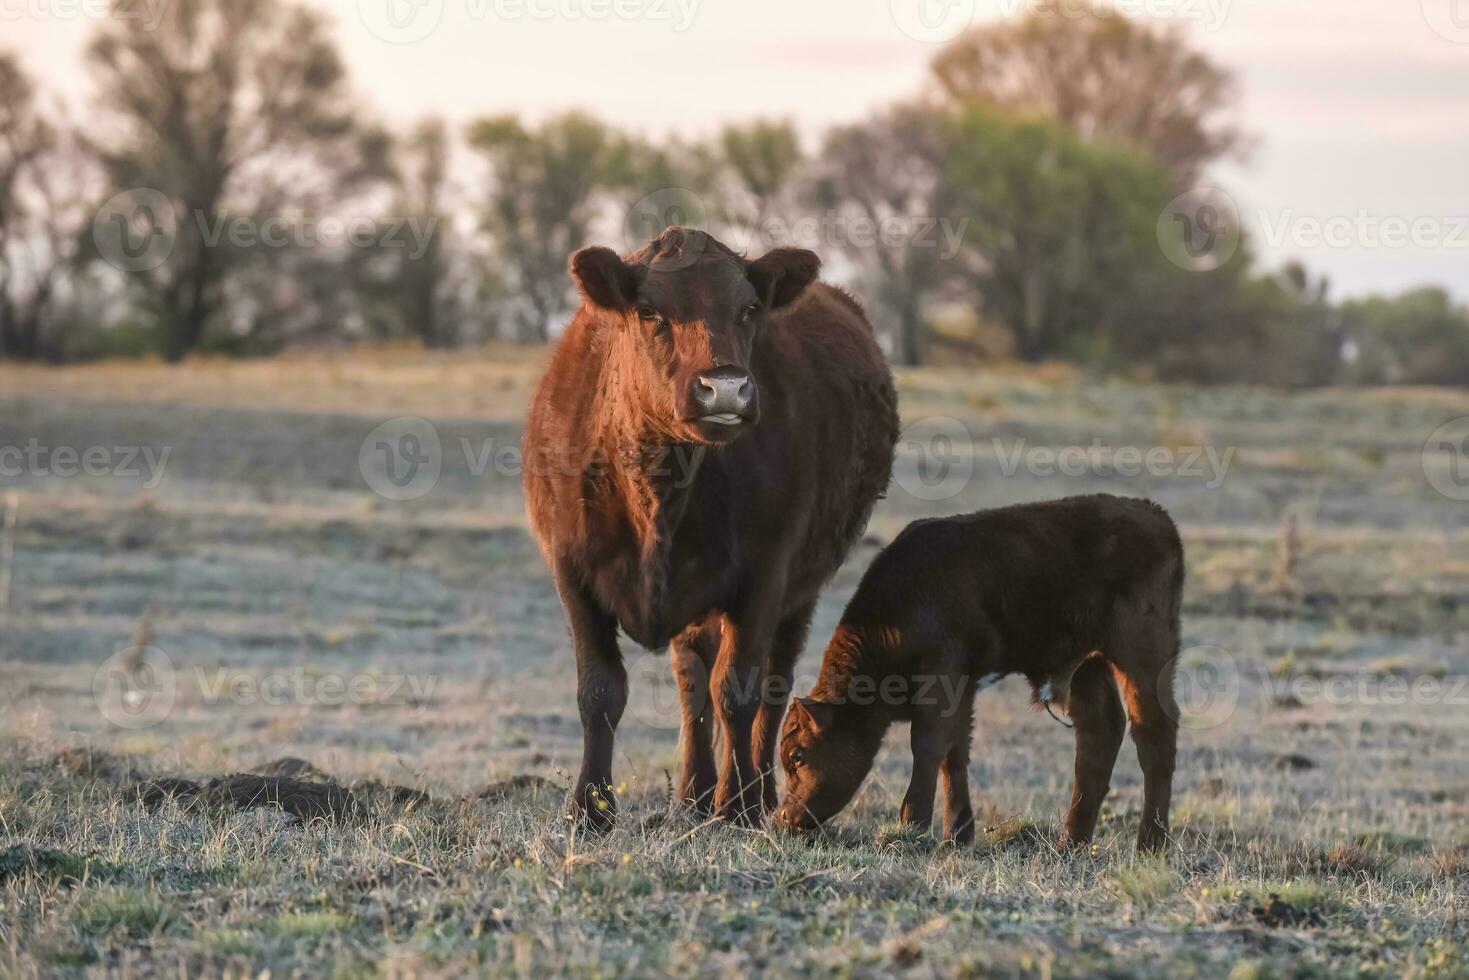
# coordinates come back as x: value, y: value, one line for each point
x: 853, y: 654
x: 655, y: 481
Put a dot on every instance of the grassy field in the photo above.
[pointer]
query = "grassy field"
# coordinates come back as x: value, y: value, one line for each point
x: 226, y: 554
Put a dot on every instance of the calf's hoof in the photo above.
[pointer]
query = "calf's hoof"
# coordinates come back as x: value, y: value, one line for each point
x: 593, y: 807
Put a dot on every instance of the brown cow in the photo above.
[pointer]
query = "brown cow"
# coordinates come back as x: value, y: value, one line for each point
x: 707, y: 443
x: 1079, y: 595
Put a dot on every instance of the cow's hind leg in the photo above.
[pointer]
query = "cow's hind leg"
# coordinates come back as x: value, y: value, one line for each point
x: 789, y: 640
x: 601, y: 695
x: 1096, y: 714
x: 1147, y: 694
x: 693, y: 654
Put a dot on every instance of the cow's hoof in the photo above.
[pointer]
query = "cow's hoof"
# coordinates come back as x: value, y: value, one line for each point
x: 593, y: 807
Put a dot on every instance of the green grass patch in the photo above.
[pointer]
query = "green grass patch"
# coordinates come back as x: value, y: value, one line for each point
x: 53, y: 866
x: 131, y: 912
x: 310, y: 925
x: 1145, y: 883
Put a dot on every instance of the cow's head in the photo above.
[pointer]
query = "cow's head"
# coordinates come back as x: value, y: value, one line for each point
x: 686, y: 313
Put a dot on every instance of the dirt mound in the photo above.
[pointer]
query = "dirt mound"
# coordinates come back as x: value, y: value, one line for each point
x: 293, y: 768
x: 1277, y: 913
x: 1294, y: 762
x: 90, y: 763
x: 391, y: 793
x: 303, y: 799
x: 522, y: 785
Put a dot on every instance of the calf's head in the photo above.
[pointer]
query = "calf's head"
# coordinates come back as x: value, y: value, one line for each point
x: 684, y: 314
x: 827, y: 750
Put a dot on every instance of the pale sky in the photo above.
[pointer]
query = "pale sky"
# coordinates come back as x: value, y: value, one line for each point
x: 1361, y: 107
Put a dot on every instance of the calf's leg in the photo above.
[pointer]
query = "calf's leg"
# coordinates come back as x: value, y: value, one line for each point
x: 1147, y: 693
x: 929, y: 748
x: 601, y: 695
x: 1096, y: 714
x: 693, y: 654
x: 958, y: 810
x: 789, y: 640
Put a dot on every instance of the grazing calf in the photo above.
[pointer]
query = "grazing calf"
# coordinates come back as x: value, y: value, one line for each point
x: 707, y: 443
x: 1080, y: 595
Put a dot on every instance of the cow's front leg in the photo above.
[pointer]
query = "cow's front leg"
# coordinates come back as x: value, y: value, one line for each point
x: 738, y: 684
x: 601, y: 695
x: 789, y: 640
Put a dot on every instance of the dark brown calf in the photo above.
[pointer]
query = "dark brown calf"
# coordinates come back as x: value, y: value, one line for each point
x: 707, y: 443
x: 1080, y: 595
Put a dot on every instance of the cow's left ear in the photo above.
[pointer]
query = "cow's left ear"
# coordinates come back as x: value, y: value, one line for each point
x: 604, y: 278
x: 782, y: 274
x: 819, y: 713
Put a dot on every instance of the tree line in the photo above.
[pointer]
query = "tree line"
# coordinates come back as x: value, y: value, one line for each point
x: 1042, y: 199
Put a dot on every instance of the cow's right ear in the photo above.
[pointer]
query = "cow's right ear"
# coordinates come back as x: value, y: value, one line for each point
x: 604, y: 279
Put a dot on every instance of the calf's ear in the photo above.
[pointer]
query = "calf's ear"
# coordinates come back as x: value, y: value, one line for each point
x: 603, y: 278
x: 820, y: 712
x: 780, y: 275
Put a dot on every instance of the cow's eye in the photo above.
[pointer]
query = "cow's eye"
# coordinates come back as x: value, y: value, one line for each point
x: 646, y: 312
x: 798, y: 757
x: 750, y: 311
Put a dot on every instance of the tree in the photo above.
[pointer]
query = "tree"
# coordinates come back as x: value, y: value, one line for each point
x: 888, y: 173
x: 229, y: 112
x: 1062, y: 239
x: 1105, y: 76
x: 1419, y: 337
x: 542, y: 193
x: 761, y: 160
x: 43, y: 209
x: 414, y: 286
